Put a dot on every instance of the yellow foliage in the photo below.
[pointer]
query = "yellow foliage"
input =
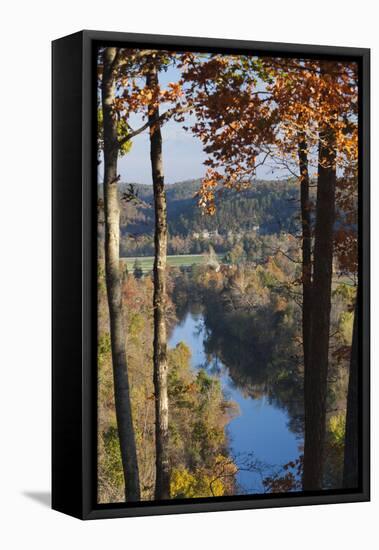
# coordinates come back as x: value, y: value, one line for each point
x: 337, y: 429
x: 186, y: 485
x: 346, y: 326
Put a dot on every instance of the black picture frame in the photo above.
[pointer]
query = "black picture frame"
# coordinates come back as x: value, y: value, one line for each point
x: 74, y: 276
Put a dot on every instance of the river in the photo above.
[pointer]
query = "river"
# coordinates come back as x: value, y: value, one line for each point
x: 260, y: 429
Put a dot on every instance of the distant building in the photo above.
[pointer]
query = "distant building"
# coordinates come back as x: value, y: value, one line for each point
x: 205, y: 234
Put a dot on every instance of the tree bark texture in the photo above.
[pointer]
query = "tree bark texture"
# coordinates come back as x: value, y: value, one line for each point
x: 162, y: 484
x: 113, y: 284
x: 316, y: 386
x: 306, y: 248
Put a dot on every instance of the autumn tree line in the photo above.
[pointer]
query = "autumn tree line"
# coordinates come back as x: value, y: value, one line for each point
x: 266, y: 208
x: 199, y: 411
x: 294, y: 114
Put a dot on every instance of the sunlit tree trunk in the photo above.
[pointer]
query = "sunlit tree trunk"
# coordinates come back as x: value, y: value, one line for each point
x: 113, y: 283
x: 306, y: 263
x: 162, y: 486
x: 306, y: 248
x: 351, y: 459
x: 315, y: 402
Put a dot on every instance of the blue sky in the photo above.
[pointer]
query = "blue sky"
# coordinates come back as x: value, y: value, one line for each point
x: 183, y: 156
x: 182, y: 152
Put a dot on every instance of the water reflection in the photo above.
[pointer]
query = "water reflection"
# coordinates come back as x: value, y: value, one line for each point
x: 269, y: 424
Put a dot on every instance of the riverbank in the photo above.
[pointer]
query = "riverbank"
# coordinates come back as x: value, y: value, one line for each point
x: 260, y: 440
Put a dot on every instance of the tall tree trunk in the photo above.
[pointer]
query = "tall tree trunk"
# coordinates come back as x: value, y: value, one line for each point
x: 162, y: 484
x: 351, y: 459
x: 113, y: 283
x: 306, y: 249
x: 315, y: 404
x: 306, y: 263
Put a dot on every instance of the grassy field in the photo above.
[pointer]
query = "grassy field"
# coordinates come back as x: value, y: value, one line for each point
x: 146, y: 262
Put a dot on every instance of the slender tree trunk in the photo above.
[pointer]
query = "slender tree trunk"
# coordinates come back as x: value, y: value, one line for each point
x: 162, y: 484
x: 351, y: 459
x: 306, y: 264
x: 315, y: 404
x: 306, y: 249
x: 113, y: 283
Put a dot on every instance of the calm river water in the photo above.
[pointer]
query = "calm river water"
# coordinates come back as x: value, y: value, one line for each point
x: 260, y: 428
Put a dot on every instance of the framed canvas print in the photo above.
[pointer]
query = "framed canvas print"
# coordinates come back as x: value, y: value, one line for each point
x: 210, y: 274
